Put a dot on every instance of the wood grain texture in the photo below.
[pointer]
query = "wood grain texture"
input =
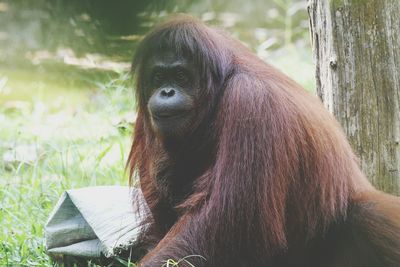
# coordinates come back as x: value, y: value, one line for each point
x: 356, y: 46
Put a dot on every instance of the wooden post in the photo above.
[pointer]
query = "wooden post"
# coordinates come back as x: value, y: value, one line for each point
x: 356, y: 46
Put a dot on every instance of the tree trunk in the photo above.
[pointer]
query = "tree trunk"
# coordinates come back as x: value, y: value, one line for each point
x: 356, y: 45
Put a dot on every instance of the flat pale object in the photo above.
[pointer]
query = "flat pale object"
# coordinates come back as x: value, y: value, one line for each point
x: 95, y: 221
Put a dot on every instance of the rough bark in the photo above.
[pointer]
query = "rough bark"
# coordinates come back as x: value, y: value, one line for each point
x: 356, y: 46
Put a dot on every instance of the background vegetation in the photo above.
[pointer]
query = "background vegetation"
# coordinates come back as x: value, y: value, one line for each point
x: 66, y: 102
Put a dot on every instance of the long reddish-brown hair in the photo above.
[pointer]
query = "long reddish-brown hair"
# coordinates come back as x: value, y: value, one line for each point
x: 275, y: 165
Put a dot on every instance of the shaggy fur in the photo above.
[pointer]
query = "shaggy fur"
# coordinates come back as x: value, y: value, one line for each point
x: 266, y: 177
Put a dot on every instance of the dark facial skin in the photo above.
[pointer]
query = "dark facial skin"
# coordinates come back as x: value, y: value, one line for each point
x: 172, y: 89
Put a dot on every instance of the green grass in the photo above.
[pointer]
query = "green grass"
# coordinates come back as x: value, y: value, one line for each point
x: 53, y: 140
